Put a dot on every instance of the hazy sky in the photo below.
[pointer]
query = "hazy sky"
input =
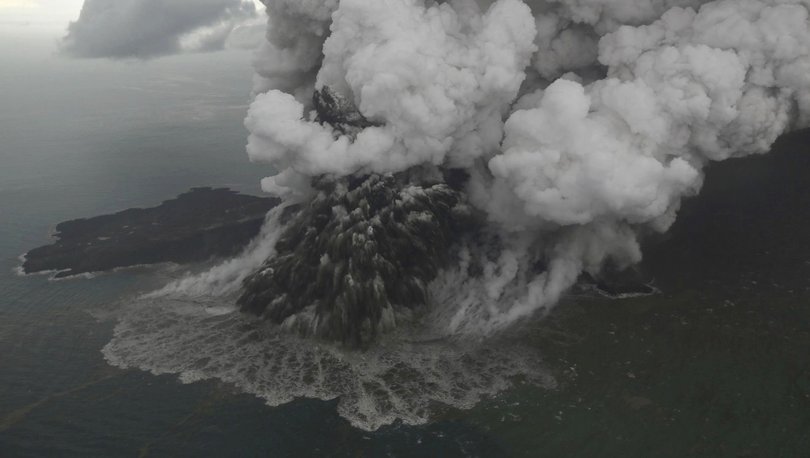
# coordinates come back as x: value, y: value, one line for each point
x: 54, y: 14
x: 31, y: 33
x: 43, y: 17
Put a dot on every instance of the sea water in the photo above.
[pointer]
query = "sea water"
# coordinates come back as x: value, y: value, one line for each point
x: 714, y: 365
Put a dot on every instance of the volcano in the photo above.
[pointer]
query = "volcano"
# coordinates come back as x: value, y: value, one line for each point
x: 361, y: 252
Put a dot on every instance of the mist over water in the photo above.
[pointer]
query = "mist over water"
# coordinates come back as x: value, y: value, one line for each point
x: 110, y: 127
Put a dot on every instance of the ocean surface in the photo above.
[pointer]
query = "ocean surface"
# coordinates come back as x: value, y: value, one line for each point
x: 717, y: 364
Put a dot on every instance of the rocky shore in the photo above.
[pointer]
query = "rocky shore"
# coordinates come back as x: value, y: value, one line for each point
x: 200, y: 224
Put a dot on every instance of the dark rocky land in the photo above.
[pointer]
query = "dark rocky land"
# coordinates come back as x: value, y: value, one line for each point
x: 200, y: 224
x: 357, y: 253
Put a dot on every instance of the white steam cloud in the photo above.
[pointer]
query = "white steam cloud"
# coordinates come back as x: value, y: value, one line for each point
x: 581, y: 122
x: 152, y: 28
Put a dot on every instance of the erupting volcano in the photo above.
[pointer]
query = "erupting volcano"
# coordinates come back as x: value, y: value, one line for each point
x: 415, y: 228
x: 508, y: 145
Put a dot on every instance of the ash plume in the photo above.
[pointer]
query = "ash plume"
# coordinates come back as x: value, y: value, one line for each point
x: 577, y: 125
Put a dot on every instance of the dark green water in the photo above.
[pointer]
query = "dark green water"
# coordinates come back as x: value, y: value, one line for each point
x: 716, y: 365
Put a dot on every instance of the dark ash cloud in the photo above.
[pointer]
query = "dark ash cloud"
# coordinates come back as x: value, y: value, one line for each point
x: 152, y: 28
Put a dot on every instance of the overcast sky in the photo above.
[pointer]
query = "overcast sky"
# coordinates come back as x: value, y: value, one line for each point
x: 54, y: 14
x: 44, y: 17
x: 32, y: 34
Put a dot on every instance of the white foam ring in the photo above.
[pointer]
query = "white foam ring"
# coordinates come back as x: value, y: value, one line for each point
x: 401, y: 378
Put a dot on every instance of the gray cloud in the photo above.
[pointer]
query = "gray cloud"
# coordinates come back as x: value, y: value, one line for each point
x: 581, y: 123
x: 152, y: 28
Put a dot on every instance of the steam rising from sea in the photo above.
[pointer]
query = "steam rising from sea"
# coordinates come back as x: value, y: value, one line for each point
x: 193, y: 328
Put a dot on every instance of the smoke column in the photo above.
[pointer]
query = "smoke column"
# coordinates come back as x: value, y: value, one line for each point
x: 581, y: 123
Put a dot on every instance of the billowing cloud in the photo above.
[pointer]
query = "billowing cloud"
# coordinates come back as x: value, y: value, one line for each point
x: 441, y: 79
x: 152, y: 28
x: 581, y: 123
